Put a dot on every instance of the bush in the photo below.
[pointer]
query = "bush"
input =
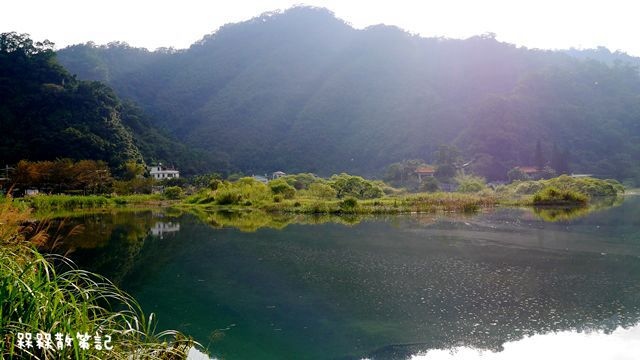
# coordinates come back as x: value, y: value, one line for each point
x: 213, y: 184
x: 322, y: 191
x: 300, y: 181
x: 245, y: 189
x: 281, y: 187
x: 554, y: 196
x: 469, y: 183
x: 430, y: 184
x: 355, y: 186
x: 173, y: 192
x: 349, y: 203
x: 586, y: 185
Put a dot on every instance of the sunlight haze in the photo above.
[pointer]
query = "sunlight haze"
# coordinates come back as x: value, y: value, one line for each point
x: 535, y: 24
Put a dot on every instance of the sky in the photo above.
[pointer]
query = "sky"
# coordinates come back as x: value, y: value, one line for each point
x: 545, y: 24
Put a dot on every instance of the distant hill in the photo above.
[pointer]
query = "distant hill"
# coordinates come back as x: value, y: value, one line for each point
x: 303, y: 91
x: 45, y: 113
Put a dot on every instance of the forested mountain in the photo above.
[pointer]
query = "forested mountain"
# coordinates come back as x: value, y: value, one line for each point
x: 304, y: 91
x: 46, y: 113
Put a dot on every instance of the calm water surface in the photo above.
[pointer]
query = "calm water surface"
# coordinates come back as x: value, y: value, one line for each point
x: 505, y: 283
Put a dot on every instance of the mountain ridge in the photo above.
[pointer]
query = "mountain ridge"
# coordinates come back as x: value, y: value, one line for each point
x: 302, y: 90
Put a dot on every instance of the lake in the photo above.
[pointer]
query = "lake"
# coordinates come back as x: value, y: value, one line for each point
x: 502, y: 284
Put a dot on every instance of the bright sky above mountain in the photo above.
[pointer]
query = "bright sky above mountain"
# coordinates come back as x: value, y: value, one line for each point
x: 549, y: 24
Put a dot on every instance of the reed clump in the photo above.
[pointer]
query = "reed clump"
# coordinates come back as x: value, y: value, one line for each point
x: 47, y: 294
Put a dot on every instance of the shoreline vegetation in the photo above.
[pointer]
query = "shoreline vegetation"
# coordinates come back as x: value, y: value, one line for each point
x: 339, y: 195
x: 46, y: 294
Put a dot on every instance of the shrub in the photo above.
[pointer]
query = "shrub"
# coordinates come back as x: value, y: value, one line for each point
x: 322, y: 191
x: 430, y: 184
x: 281, y: 187
x: 554, y: 196
x: 349, y: 203
x: 213, y: 184
x: 354, y: 186
x: 469, y: 183
x: 300, y: 181
x: 173, y: 192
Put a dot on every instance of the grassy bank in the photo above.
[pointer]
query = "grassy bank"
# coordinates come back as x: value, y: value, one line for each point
x: 38, y: 297
x: 45, y: 203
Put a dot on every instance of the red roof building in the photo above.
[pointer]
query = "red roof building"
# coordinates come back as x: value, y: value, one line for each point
x: 424, y: 171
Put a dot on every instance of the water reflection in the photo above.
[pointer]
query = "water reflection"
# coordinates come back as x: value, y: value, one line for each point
x: 621, y: 344
x: 560, y: 213
x: 160, y: 228
x: 382, y: 287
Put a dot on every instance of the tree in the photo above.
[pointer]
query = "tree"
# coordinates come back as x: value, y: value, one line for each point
x: 14, y: 43
x: 322, y: 191
x: 430, y: 184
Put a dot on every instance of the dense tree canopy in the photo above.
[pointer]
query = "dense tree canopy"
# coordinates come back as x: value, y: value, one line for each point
x: 47, y: 114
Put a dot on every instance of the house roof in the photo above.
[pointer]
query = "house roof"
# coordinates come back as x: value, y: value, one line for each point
x: 425, y: 169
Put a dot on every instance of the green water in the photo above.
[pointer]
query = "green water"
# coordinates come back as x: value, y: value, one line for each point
x: 382, y: 288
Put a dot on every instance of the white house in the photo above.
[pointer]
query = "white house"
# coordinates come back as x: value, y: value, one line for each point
x: 160, y: 172
x: 277, y: 174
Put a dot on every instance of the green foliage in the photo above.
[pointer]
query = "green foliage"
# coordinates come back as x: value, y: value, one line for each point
x: 67, y: 202
x: 281, y: 187
x: 205, y: 180
x: 349, y: 204
x: 132, y: 170
x: 214, y: 184
x: 173, y: 192
x: 348, y: 185
x: 403, y: 173
x: 551, y: 195
x: 242, y: 191
x: 48, y: 114
x: 583, y: 185
x: 300, y: 181
x: 430, y: 184
x: 469, y: 183
x: 322, y: 191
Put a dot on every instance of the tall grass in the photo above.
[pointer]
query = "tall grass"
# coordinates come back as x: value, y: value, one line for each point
x: 38, y: 296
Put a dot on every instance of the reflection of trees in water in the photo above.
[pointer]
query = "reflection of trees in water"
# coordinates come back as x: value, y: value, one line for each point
x: 560, y: 213
x: 110, y: 242
x: 253, y: 220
